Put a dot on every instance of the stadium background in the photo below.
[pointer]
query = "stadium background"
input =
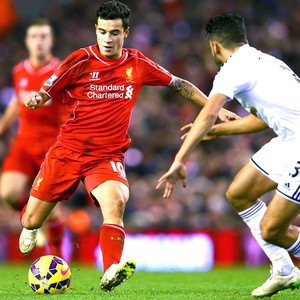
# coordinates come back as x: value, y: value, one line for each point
x: 171, y: 33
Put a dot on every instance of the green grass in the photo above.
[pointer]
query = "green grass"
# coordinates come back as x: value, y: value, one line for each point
x: 227, y: 283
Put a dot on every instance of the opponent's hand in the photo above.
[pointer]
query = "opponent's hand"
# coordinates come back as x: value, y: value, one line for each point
x: 209, y: 136
x: 175, y: 173
x: 227, y: 115
x: 33, y: 100
x: 186, y: 127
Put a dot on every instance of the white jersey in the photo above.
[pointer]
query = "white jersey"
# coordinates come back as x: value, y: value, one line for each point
x: 265, y: 86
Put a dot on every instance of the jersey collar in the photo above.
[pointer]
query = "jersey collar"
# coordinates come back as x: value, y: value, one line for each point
x: 109, y: 62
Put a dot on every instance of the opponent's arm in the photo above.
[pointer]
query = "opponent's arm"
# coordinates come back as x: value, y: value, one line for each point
x: 36, y: 99
x: 203, y: 123
x: 191, y: 92
x: 245, y: 125
x: 10, y: 115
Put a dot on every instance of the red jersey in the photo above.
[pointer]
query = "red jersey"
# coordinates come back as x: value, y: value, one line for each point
x: 100, y: 94
x: 42, y: 123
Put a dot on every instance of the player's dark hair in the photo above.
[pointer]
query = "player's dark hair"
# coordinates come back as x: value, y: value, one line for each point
x: 41, y: 22
x: 228, y: 29
x: 112, y: 10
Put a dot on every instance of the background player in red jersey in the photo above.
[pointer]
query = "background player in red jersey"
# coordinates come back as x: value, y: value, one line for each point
x: 37, y: 130
x: 100, y: 84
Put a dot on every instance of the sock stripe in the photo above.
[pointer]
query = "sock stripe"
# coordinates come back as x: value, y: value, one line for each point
x: 114, y: 226
x: 252, y: 210
x: 295, y: 248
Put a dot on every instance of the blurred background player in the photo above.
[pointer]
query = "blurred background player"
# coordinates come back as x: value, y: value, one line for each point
x: 37, y: 130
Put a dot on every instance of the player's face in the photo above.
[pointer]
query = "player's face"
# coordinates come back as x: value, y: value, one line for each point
x: 110, y: 37
x: 39, y: 40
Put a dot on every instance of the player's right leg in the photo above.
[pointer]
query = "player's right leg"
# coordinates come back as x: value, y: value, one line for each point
x: 112, y: 196
x: 33, y: 217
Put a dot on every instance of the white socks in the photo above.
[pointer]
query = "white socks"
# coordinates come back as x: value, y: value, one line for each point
x: 279, y: 257
x: 295, y: 249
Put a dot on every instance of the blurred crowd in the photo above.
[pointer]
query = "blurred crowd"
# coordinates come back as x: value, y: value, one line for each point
x: 171, y: 33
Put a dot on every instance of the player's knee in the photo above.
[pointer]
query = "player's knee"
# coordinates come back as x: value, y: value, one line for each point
x: 9, y: 198
x: 113, y: 210
x: 233, y: 197
x: 269, y: 233
x: 30, y: 221
x: 239, y: 199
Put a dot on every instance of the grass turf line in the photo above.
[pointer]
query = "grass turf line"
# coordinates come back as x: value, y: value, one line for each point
x: 218, y: 284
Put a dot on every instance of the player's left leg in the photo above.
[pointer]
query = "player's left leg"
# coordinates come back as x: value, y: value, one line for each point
x: 33, y: 217
x: 248, y: 185
x: 276, y: 224
x: 243, y: 194
x: 112, y: 196
x: 276, y: 228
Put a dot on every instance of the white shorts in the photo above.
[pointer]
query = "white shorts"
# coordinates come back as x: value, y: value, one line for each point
x: 279, y: 160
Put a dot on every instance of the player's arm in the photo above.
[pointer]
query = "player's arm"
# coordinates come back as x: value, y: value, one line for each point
x: 36, y: 99
x: 191, y: 92
x: 202, y: 125
x: 10, y: 115
x: 245, y: 125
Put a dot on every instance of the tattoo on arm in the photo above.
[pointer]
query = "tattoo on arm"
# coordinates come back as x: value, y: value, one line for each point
x: 183, y: 88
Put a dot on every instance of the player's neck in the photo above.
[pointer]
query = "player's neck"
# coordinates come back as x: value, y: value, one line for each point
x: 37, y: 61
x: 227, y: 53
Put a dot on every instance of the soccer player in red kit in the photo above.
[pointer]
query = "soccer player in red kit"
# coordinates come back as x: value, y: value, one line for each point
x: 37, y: 130
x: 100, y: 84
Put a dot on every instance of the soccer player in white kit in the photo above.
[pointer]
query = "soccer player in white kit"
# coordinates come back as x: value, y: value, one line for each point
x: 270, y: 90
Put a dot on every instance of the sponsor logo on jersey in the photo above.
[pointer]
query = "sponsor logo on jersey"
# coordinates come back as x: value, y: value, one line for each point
x: 51, y: 80
x: 129, y: 92
x: 110, y: 91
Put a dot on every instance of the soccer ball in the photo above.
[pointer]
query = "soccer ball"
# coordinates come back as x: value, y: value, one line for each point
x: 49, y: 275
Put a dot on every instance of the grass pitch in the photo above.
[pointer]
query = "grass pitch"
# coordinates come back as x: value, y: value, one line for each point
x: 219, y: 283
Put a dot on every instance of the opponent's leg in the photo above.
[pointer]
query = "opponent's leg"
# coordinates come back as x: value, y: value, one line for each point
x: 276, y: 224
x: 248, y: 185
x: 112, y: 197
x: 276, y: 229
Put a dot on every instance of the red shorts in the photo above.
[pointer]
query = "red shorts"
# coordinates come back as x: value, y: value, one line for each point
x: 26, y: 157
x: 63, y: 169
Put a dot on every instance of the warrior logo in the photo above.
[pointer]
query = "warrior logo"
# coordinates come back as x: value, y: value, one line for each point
x: 94, y: 76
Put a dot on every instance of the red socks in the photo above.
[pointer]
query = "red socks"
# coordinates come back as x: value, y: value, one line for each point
x: 19, y: 205
x: 54, y: 232
x: 111, y: 243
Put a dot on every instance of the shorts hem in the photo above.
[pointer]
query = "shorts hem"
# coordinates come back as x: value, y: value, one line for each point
x: 288, y: 197
x: 38, y: 196
x: 258, y: 167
